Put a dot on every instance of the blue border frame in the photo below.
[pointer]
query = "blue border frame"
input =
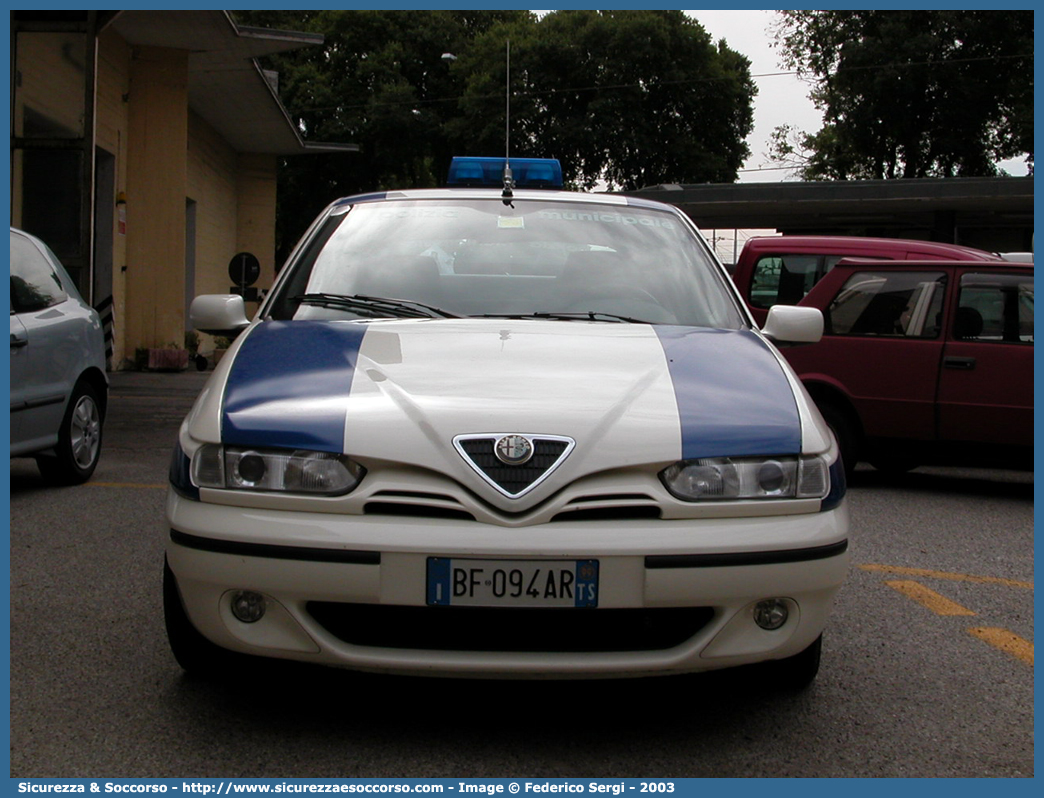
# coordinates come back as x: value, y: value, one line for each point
x: 684, y: 787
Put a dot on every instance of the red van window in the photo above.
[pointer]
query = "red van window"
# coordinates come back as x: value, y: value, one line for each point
x: 890, y: 304
x: 781, y: 279
x: 995, y: 307
x: 784, y: 279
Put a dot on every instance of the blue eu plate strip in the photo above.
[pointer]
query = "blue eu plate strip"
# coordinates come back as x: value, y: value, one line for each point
x: 438, y: 581
x: 587, y: 583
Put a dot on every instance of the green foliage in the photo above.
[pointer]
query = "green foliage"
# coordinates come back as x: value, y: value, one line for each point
x: 625, y: 98
x: 630, y: 98
x: 380, y: 82
x: 910, y: 93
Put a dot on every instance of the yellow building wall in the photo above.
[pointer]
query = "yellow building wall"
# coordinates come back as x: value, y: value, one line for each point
x: 157, y: 147
x: 49, y: 81
x: 165, y: 155
x: 111, y: 126
x: 212, y: 186
x: 257, y: 213
x: 51, y: 72
x: 235, y: 197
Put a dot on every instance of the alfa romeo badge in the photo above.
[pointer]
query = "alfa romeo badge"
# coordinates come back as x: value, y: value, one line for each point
x: 513, y: 449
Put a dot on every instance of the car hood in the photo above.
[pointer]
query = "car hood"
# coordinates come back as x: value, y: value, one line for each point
x: 404, y: 391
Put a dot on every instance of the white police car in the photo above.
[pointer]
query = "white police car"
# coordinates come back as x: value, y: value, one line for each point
x: 521, y: 433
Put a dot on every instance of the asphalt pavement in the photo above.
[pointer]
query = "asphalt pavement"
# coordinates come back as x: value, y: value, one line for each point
x: 910, y: 687
x: 157, y: 383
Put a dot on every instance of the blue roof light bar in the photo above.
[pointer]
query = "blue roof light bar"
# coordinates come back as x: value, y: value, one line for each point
x: 489, y: 172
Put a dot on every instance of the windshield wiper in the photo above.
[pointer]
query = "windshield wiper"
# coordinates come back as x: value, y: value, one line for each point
x: 586, y: 315
x: 393, y: 308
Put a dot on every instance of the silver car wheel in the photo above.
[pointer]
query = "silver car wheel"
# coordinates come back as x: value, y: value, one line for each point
x: 85, y: 431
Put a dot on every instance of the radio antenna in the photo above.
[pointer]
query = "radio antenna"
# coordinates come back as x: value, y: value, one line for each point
x: 509, y: 181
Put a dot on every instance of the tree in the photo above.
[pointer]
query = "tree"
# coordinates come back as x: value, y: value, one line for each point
x: 627, y: 98
x: 378, y: 81
x: 910, y: 93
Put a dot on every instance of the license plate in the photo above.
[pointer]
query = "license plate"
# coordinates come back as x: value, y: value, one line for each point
x: 512, y: 583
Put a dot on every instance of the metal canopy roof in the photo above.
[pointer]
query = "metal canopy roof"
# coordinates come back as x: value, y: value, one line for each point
x: 833, y: 205
x: 226, y: 87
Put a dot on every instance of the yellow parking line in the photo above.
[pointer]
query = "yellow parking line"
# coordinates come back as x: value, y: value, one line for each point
x: 940, y: 605
x: 924, y: 572
x: 1006, y: 641
x: 123, y: 485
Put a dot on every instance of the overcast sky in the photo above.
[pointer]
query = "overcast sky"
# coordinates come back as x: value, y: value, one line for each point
x: 782, y: 98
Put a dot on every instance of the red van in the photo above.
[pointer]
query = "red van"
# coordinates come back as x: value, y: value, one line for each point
x: 780, y: 270
x: 924, y: 361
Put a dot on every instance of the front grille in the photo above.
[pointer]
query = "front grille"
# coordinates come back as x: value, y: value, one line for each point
x: 510, y: 629
x: 416, y: 511
x: 513, y: 479
x: 626, y: 513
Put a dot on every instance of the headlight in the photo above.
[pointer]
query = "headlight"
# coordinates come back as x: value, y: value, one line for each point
x: 723, y: 478
x: 285, y: 470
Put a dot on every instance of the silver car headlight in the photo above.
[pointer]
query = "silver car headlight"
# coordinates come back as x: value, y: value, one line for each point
x: 284, y: 470
x: 724, y: 478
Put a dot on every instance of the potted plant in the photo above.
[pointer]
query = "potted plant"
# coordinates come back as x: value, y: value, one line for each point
x: 221, y: 345
x: 169, y: 358
x: 192, y: 345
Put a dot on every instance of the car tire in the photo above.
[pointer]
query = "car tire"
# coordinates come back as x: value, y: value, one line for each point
x: 891, y: 459
x: 893, y: 465
x: 194, y: 653
x: 844, y: 430
x: 799, y: 671
x: 79, y: 439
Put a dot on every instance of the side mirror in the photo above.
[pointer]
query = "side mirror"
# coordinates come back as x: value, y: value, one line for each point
x: 218, y: 314
x: 790, y: 324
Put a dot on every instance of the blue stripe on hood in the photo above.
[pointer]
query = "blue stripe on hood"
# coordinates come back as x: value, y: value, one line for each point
x: 289, y: 384
x: 733, y: 398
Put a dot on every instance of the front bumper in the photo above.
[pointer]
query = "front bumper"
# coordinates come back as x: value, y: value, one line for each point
x: 350, y: 590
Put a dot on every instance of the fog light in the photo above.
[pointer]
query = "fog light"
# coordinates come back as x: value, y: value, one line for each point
x: 248, y: 606
x: 771, y: 613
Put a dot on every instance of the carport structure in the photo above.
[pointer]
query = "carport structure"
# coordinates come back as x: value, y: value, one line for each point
x: 992, y: 213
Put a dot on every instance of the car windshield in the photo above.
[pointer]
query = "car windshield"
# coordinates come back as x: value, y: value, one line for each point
x: 533, y: 258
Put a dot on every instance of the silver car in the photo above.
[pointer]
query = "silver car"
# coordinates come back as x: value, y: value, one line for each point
x: 58, y: 383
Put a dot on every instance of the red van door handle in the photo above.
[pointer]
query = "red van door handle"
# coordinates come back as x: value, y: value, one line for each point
x: 961, y: 363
